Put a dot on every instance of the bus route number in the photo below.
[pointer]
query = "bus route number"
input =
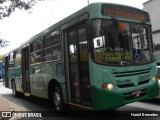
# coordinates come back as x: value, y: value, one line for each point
x: 144, y: 78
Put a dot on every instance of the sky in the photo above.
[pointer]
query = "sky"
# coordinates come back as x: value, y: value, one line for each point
x: 22, y: 25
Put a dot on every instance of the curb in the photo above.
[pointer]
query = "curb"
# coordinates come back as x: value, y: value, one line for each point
x: 11, y: 106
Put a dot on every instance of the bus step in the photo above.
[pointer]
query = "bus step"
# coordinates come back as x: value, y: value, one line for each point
x: 27, y: 94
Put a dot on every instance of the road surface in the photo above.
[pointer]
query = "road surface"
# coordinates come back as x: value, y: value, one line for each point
x: 40, y: 105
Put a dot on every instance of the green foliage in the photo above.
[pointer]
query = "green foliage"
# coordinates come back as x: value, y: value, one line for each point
x: 3, y: 43
x: 9, y: 6
x: 1, y: 57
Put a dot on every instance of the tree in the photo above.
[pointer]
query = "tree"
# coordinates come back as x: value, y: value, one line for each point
x: 1, y: 57
x: 3, y: 43
x: 9, y: 6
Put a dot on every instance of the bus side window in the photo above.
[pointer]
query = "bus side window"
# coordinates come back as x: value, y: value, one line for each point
x: 36, y: 53
x: 18, y: 58
x: 53, y: 53
x: 57, y: 53
x: 52, y: 47
x: 11, y: 60
x: 36, y: 57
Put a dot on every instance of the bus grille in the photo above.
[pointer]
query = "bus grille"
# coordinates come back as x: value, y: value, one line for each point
x: 131, y: 84
x: 125, y: 85
x: 143, y: 82
x: 129, y: 96
x: 131, y: 73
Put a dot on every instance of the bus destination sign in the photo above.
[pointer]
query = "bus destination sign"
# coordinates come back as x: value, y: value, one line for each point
x: 124, y: 12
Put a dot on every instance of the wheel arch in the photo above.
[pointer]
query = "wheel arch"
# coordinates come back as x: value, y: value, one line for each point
x: 51, y: 85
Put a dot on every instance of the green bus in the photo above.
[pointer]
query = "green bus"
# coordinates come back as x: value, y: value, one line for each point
x: 157, y: 58
x: 77, y: 61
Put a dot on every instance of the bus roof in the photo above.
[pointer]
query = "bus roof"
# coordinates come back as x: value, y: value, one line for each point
x: 94, y: 12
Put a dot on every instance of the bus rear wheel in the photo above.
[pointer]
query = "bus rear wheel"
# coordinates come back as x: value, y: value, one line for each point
x: 14, y: 91
x: 57, y: 99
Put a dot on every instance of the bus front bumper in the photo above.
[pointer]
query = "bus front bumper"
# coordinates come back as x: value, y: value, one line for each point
x: 105, y: 100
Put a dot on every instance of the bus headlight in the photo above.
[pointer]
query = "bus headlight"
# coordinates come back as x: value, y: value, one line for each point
x: 159, y: 83
x: 110, y: 86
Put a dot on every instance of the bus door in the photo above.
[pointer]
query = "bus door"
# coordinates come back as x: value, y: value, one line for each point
x: 78, y: 65
x: 25, y: 70
x: 6, y: 71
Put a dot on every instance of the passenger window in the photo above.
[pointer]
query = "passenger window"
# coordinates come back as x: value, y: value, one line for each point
x: 36, y: 51
x: 36, y: 45
x: 53, y: 53
x: 18, y: 58
x: 52, y: 47
x: 36, y: 57
x: 11, y: 60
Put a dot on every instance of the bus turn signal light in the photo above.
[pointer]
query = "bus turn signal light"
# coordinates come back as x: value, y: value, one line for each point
x: 104, y: 85
x: 155, y: 77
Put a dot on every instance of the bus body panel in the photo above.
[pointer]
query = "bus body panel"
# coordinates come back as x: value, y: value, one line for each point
x: 103, y: 100
x: 16, y: 75
x: 40, y: 76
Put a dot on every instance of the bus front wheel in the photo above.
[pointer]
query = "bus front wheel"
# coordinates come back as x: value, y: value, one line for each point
x: 57, y: 99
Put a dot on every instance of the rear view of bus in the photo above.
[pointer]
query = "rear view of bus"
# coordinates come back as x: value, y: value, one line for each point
x: 122, y: 67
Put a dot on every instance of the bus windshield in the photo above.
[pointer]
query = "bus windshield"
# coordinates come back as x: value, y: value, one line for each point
x: 121, y: 43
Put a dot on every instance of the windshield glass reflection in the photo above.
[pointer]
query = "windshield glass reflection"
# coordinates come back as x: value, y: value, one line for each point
x: 121, y: 43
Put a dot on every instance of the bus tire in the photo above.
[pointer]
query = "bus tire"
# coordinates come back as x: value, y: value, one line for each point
x: 57, y: 98
x: 14, y: 91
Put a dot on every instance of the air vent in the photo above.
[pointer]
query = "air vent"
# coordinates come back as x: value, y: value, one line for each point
x: 143, y: 82
x: 131, y: 73
x: 125, y: 85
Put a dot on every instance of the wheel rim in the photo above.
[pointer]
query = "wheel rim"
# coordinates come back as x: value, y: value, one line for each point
x: 57, y: 100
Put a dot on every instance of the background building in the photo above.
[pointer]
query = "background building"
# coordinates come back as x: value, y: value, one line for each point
x: 153, y: 8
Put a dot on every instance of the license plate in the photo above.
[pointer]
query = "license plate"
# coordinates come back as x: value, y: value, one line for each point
x: 136, y: 93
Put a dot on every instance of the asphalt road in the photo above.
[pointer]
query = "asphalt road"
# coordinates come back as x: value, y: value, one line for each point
x: 40, y: 105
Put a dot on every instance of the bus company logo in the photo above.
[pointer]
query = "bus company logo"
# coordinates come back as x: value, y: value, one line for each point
x: 119, y: 82
x: 6, y: 114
